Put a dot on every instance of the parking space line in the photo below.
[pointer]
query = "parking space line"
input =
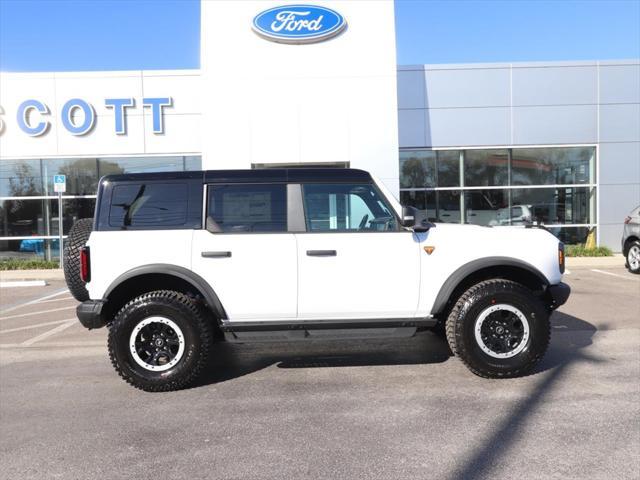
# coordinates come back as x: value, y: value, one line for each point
x: 35, y: 325
x: 612, y: 274
x: 49, y: 333
x: 31, y: 302
x: 55, y: 300
x: 7, y: 346
x: 38, y: 312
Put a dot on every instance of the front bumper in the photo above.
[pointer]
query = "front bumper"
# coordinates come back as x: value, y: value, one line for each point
x: 90, y: 314
x: 558, y: 294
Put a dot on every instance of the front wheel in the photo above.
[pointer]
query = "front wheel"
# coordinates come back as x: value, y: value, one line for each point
x: 160, y: 341
x: 499, y: 329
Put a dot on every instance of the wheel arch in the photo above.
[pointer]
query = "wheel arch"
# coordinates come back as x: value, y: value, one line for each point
x: 147, y: 278
x: 484, y: 269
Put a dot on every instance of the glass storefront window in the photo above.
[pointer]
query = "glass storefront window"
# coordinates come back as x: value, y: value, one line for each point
x: 20, y: 178
x: 486, y: 168
x: 554, y: 206
x: 417, y: 169
x: 112, y: 165
x: 24, y: 218
x: 82, y: 177
x: 441, y: 206
x: 516, y: 186
x: 487, y: 207
x: 448, y: 168
x: 548, y: 166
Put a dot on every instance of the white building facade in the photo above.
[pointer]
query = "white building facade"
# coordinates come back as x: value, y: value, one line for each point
x: 557, y: 143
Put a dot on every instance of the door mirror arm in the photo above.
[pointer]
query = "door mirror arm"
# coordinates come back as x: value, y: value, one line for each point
x: 415, y: 219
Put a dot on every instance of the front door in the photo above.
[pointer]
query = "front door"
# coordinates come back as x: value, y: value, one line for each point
x: 246, y: 254
x: 355, y: 262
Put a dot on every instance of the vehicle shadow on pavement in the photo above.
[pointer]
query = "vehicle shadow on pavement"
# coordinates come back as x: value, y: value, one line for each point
x: 568, y: 337
x: 232, y: 361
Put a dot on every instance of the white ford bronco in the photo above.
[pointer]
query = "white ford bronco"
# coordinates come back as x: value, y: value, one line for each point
x: 174, y: 262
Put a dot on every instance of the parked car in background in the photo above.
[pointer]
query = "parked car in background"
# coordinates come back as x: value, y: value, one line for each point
x: 631, y: 241
x: 519, y: 215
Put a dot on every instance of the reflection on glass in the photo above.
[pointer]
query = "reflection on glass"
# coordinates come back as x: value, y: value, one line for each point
x: 19, y: 178
x: 108, y: 166
x: 486, y: 168
x: 448, y: 168
x: 546, y: 166
x: 417, y: 169
x: 488, y: 207
x: 193, y: 163
x: 25, y: 218
x: 554, y: 206
x: 82, y: 176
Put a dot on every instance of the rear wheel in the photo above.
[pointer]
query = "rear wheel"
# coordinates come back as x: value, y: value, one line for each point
x: 160, y: 341
x: 76, y: 240
x: 499, y: 329
x: 633, y: 257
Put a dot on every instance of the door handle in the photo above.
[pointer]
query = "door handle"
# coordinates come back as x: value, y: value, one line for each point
x: 216, y: 254
x: 321, y: 253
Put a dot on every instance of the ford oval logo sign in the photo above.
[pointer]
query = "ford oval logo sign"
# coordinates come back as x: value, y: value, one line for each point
x: 298, y: 24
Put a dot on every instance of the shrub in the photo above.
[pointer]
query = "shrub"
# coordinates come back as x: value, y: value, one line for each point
x: 27, y: 264
x: 582, y: 251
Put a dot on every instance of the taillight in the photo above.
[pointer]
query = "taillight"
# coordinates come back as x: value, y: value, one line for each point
x: 561, y: 256
x: 85, y: 265
x: 627, y: 220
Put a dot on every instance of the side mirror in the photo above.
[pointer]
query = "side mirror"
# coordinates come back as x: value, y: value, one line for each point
x: 415, y: 219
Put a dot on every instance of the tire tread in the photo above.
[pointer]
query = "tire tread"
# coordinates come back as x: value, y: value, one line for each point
x: 454, y: 329
x: 201, y: 323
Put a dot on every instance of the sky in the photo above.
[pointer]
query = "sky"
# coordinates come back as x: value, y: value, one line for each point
x: 68, y: 35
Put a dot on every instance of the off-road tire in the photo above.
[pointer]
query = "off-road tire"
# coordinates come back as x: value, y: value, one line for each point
x: 190, y: 318
x: 634, y: 244
x: 77, y: 238
x: 462, y: 319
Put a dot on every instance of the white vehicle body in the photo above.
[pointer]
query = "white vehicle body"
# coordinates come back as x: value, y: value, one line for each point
x: 177, y: 261
x: 374, y: 275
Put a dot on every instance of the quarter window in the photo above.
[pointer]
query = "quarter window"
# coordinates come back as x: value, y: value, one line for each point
x: 247, y: 208
x: 346, y: 207
x: 148, y: 205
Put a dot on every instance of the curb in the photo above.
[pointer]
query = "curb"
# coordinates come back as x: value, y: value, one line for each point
x: 14, y: 275
x: 616, y: 260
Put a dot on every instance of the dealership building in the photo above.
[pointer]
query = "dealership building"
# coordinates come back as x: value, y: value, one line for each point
x: 495, y: 144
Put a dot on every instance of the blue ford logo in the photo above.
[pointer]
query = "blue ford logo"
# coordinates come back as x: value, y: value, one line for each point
x: 298, y: 24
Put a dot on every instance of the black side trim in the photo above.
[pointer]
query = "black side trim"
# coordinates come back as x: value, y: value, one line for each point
x: 194, y: 279
x: 273, y: 326
x: 464, y: 271
x: 90, y: 314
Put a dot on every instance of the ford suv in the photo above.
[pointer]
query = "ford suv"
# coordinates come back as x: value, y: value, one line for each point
x: 173, y: 263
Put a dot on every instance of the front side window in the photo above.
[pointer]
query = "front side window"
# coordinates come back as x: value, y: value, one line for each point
x: 149, y: 205
x: 247, y: 208
x: 347, y: 207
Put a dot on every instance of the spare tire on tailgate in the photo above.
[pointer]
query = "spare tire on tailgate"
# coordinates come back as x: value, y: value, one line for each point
x: 77, y: 238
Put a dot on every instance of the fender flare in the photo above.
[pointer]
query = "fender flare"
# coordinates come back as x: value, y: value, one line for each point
x: 467, y: 269
x: 195, y: 280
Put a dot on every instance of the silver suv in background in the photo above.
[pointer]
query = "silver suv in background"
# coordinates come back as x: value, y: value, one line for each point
x: 631, y: 241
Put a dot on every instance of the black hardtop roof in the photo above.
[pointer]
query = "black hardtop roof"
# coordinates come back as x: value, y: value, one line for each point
x: 266, y: 175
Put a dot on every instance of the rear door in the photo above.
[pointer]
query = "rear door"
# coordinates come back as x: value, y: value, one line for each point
x: 354, y: 262
x: 246, y: 254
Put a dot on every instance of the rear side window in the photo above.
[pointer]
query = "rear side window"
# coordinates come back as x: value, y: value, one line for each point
x: 247, y: 208
x: 148, y: 205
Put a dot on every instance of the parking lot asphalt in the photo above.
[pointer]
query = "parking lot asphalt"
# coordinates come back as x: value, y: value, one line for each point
x: 396, y: 409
